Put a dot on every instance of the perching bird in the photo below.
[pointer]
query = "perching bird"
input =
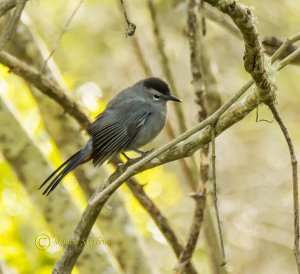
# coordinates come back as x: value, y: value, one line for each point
x: 131, y: 119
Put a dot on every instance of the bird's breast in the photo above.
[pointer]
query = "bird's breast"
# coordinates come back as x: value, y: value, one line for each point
x: 151, y: 128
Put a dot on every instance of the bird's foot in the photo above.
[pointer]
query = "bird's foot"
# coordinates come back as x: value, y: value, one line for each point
x: 143, y: 153
x: 132, y: 161
x: 120, y: 168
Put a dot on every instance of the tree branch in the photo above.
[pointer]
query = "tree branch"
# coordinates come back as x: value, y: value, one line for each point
x: 61, y: 35
x: 165, y: 64
x: 195, y: 40
x: 6, y: 5
x: 11, y: 27
x: 295, y: 180
x: 273, y: 44
x: 254, y: 63
x: 130, y: 30
x: 46, y: 85
x: 160, y: 220
x: 220, y: 19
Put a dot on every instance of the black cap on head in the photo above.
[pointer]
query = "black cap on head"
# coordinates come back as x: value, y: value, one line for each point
x: 157, y: 84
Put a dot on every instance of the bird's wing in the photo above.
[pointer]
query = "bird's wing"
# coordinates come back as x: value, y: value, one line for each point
x: 114, y: 131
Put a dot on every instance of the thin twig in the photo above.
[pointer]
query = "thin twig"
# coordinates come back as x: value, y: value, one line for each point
x: 287, y: 60
x: 215, y: 196
x: 284, y: 46
x: 11, y: 27
x: 164, y: 62
x: 140, y: 56
x: 272, y: 44
x: 55, y: 46
x: 220, y: 19
x: 194, y: 232
x: 165, y: 65
x: 195, y: 36
x: 130, y: 30
x: 295, y: 181
x: 203, y: 20
x: 192, y: 181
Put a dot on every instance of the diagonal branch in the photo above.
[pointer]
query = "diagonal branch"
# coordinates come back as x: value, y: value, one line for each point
x: 160, y: 220
x: 218, y: 17
x: 11, y: 27
x: 46, y: 85
x: 6, y: 5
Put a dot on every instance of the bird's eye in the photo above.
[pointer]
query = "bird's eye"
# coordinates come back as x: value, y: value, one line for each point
x: 156, y: 97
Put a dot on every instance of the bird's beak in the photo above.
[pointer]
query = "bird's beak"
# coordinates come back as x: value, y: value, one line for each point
x: 173, y: 98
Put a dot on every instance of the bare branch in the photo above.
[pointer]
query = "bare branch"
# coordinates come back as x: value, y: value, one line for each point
x: 295, y: 181
x: 11, y: 27
x: 165, y: 64
x: 61, y: 35
x: 185, y: 256
x: 195, y: 36
x: 140, y: 56
x: 130, y: 30
x: 287, y: 60
x: 272, y: 44
x: 215, y: 197
x: 284, y: 48
x: 254, y: 61
x: 255, y: 64
x: 186, y: 166
x: 6, y: 5
x: 46, y: 85
x: 160, y: 220
x: 220, y: 19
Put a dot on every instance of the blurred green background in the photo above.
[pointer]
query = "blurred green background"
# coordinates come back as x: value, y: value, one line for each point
x: 96, y: 60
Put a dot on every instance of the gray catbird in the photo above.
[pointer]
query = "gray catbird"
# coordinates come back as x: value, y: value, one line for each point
x: 131, y: 119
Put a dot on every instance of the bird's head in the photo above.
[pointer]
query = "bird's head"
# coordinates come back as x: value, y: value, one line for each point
x: 158, y: 90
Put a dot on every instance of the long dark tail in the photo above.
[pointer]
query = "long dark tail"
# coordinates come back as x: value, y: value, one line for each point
x: 74, y: 161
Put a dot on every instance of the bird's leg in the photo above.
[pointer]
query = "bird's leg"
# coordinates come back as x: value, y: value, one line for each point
x: 131, y: 161
x: 127, y: 158
x: 143, y: 153
x: 120, y: 168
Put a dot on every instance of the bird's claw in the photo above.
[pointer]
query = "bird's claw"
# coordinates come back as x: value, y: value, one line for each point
x: 131, y: 161
x: 120, y: 168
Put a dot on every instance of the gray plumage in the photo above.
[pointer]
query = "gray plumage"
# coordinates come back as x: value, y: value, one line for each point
x: 133, y: 118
